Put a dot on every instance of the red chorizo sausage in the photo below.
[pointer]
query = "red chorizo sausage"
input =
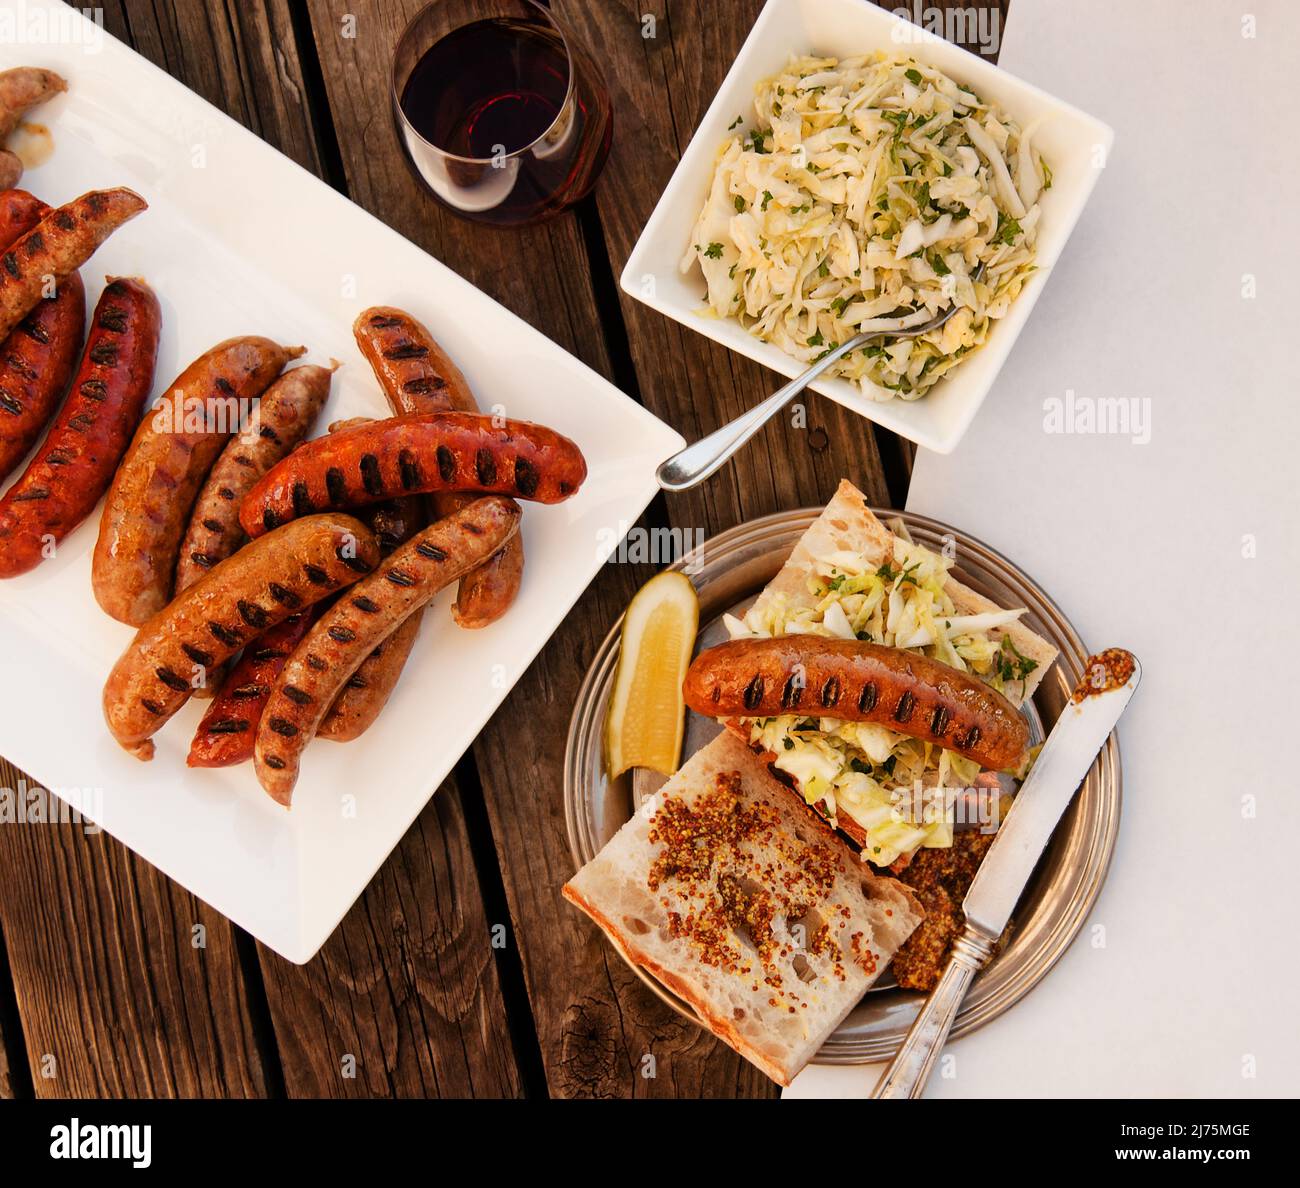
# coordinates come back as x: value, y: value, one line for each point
x: 416, y: 455
x: 858, y: 682
x: 56, y: 247
x: 241, y: 598
x: 349, y: 631
x: 149, y: 502
x: 418, y: 376
x: 19, y: 213
x: 281, y: 420
x: 75, y: 463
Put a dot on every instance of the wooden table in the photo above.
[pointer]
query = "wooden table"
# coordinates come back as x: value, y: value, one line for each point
x: 460, y: 971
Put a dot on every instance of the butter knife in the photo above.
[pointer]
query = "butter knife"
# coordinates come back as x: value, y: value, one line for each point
x: 1109, y: 680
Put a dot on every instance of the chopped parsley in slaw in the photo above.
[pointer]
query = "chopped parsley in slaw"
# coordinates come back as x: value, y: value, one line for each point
x: 864, y: 197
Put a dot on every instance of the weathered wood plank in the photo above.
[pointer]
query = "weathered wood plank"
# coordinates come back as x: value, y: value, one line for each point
x: 127, y: 985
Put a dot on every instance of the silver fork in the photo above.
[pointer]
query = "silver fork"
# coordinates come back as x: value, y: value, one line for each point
x: 690, y: 467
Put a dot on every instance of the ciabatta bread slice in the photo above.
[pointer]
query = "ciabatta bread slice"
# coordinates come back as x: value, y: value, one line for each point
x: 747, y: 907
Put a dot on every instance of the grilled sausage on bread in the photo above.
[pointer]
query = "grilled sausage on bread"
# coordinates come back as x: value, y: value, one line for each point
x: 856, y: 681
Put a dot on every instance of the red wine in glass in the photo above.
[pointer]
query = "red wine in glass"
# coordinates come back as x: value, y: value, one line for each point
x: 503, y: 121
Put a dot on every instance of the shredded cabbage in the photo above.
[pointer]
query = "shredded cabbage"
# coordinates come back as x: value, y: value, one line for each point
x: 864, y: 196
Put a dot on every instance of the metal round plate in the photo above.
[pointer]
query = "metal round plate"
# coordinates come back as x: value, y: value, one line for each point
x: 731, y: 568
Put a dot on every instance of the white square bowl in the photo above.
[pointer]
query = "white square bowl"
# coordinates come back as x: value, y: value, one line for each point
x: 1075, y: 144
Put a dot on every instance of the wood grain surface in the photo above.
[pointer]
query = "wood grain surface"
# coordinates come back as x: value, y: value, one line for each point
x: 460, y: 972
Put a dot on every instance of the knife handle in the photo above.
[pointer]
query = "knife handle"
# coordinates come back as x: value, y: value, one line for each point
x: 910, y: 1069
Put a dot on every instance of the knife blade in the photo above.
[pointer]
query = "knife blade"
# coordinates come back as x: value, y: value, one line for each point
x: 1105, y: 690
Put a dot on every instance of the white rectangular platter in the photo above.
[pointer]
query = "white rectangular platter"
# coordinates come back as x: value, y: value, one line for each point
x: 240, y: 240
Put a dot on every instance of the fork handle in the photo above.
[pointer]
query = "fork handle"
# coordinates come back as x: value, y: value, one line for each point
x: 689, y: 467
x: 911, y: 1067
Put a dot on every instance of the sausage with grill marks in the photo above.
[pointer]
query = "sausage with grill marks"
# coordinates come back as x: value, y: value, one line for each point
x: 37, y: 358
x: 75, y: 463
x: 225, y: 735
x: 416, y: 455
x: 153, y: 492
x: 368, y: 689
x: 348, y: 632
x: 418, y: 376
x: 858, y: 682
x: 239, y: 600
x: 56, y: 247
x: 283, y: 417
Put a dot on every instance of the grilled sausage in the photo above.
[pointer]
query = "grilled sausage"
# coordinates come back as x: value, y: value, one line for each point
x: 56, y: 247
x: 19, y: 213
x: 349, y: 631
x: 225, y: 735
x: 368, y: 689
x: 281, y: 420
x: 418, y: 376
x: 858, y: 682
x: 237, y: 601
x: 34, y: 361
x: 415, y: 455
x: 11, y: 169
x: 154, y: 489
x: 75, y: 463
x: 21, y: 89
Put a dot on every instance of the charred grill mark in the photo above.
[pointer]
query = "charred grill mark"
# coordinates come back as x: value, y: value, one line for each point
x: 485, y: 466
x: 282, y: 596
x: 792, y: 693
x: 172, y: 680
x: 409, y: 468
x: 317, y: 576
x: 867, y: 698
x: 406, y: 349
x: 152, y: 706
x: 972, y: 737
x: 716, y: 695
x: 64, y: 221
x: 446, y: 464
x: 566, y: 488
x: 35, y: 495
x: 274, y: 762
x: 296, y: 695
x: 906, y: 704
x: 35, y: 242
x: 81, y: 421
x: 371, y: 479
x: 354, y: 563
x: 20, y: 366
x: 357, y: 681
x: 335, y: 487
x: 214, y: 526
x: 104, y: 353
x: 384, y: 321
x: 224, y: 386
x: 198, y: 655
x: 243, y: 460
x: 35, y: 331
x: 269, y: 434
x: 113, y: 318
x: 424, y: 385
x: 253, y: 615
x: 269, y: 519
x: 831, y: 692
x: 400, y: 578
x: 939, y: 721
x: 228, y: 726
x: 366, y: 606
x: 225, y: 635
x: 343, y: 635
x: 315, y: 663
x: 11, y: 264
x: 58, y: 458
x: 526, y: 478
x: 283, y: 727
x: 248, y: 692
x: 11, y: 404
x: 432, y: 552
x: 754, y: 692
x: 227, y: 494
x: 302, y: 504
x: 93, y: 389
